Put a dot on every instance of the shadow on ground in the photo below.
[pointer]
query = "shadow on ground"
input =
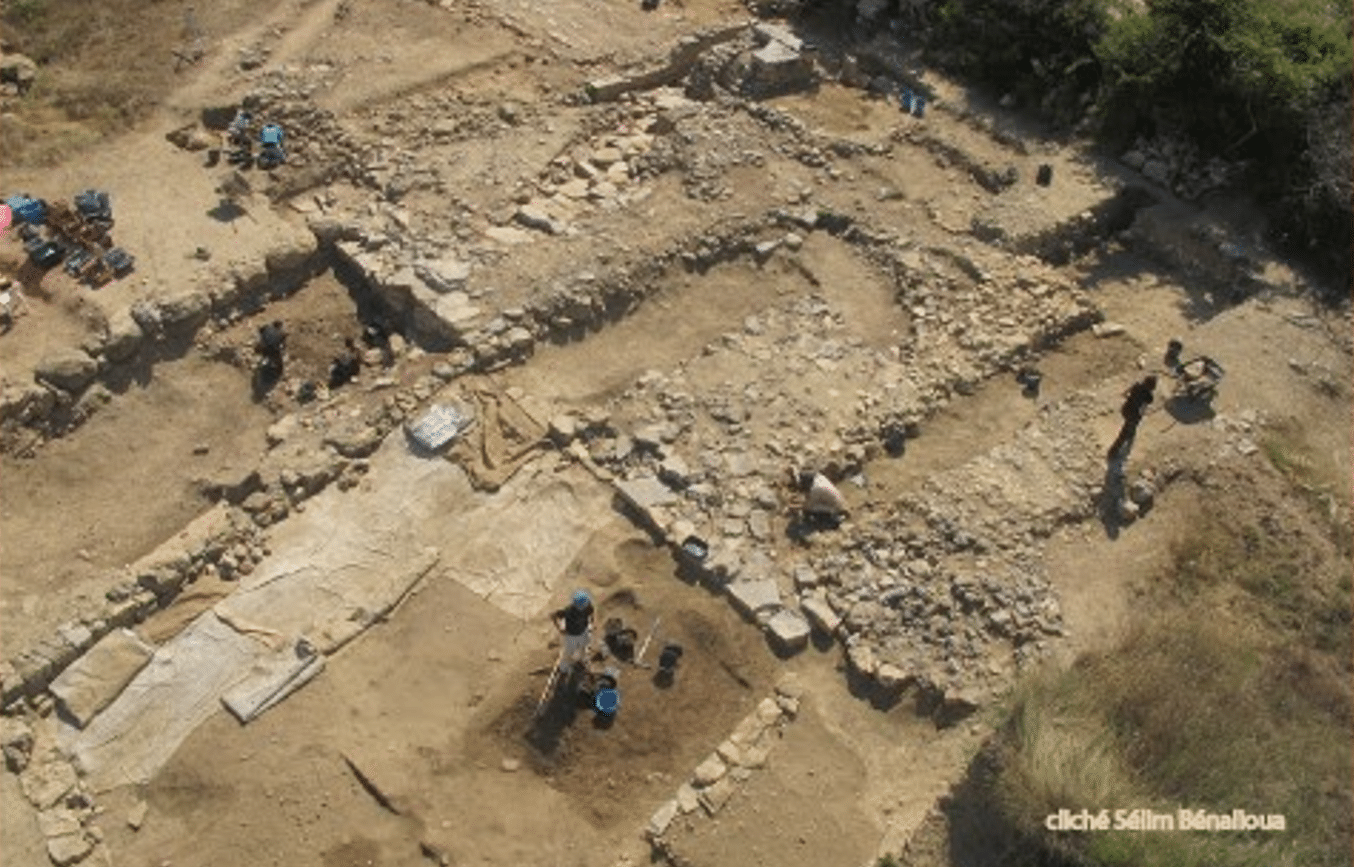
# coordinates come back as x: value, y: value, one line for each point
x: 980, y: 835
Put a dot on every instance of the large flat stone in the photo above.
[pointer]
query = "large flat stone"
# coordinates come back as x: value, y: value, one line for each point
x: 709, y: 771
x: 662, y: 818
x: 759, y: 596
x: 45, y: 784
x: 290, y: 250
x: 688, y: 799
x: 185, y: 308
x: 645, y: 494
x: 93, y: 681
x: 789, y: 629
x: 775, y: 54
x: 443, y: 275
x: 766, y: 32
x: 68, y: 848
x: 820, y: 614
x: 456, y: 311
x: 716, y: 796
x: 124, y: 336
x: 58, y: 821
x: 70, y: 369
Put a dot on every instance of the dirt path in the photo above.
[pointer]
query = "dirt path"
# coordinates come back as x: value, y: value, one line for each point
x: 998, y: 408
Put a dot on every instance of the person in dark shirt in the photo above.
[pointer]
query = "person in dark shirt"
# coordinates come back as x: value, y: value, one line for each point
x: 1136, y: 400
x: 575, y: 622
x: 345, y: 366
x: 271, y: 347
x: 272, y: 343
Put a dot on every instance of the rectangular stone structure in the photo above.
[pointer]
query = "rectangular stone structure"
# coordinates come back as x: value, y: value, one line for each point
x: 92, y: 682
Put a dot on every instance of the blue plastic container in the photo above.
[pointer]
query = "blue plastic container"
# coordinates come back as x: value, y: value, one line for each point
x: 919, y: 106
x: 607, y: 701
x: 27, y: 210
x: 905, y: 100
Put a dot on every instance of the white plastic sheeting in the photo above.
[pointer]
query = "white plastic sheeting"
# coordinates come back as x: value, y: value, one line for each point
x: 176, y: 692
x: 272, y: 679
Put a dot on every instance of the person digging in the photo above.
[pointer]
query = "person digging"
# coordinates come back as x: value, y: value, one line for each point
x: 824, y: 507
x: 574, y: 621
x: 1136, y: 400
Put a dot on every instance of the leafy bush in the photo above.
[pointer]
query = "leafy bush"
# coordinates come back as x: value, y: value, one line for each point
x: 1266, y: 81
x: 1040, y: 50
x: 1232, y: 70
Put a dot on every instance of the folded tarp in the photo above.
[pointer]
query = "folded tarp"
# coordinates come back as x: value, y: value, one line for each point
x: 176, y: 692
x: 272, y: 679
x: 439, y: 426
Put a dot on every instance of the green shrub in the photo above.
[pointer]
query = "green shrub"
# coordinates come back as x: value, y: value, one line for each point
x: 1234, y: 70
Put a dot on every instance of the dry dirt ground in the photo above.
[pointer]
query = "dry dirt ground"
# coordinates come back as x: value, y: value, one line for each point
x: 418, y: 744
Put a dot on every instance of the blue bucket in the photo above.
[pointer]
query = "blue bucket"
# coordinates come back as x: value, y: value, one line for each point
x: 607, y: 701
x: 919, y: 106
x: 905, y: 100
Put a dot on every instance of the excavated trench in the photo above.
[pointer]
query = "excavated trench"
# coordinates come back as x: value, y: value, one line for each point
x: 164, y: 426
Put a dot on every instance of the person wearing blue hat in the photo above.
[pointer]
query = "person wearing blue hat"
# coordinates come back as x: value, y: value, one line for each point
x: 575, y: 622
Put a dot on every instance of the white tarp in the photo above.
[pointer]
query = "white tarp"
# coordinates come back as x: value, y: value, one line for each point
x: 329, y: 590
x: 272, y: 679
x: 438, y: 427
x: 336, y: 568
x: 176, y: 692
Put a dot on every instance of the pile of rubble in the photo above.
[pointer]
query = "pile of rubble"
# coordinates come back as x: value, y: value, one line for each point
x: 768, y: 60
x: 318, y: 146
x: 1177, y: 165
x: 707, y: 452
x: 594, y: 174
x: 947, y: 589
x: 66, y: 811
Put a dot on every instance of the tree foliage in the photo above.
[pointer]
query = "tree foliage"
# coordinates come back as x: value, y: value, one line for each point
x: 1230, y: 68
x: 1266, y: 81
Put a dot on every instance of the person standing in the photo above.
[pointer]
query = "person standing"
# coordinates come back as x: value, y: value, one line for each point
x: 575, y: 622
x: 1136, y: 400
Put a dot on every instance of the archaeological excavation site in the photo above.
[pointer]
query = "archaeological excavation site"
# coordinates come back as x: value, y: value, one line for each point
x: 606, y: 434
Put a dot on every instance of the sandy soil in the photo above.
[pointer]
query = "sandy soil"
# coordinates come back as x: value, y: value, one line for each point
x: 435, y: 706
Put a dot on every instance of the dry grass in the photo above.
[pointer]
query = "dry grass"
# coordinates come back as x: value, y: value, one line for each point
x: 1235, y: 694
x: 104, y: 66
x: 1186, y: 713
x: 1319, y: 482
x: 1297, y: 582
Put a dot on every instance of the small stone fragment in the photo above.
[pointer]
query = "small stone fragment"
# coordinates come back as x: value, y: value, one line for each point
x: 662, y: 818
x: 710, y: 770
x: 136, y: 816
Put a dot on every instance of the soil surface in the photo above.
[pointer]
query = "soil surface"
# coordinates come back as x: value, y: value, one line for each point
x: 432, y: 737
